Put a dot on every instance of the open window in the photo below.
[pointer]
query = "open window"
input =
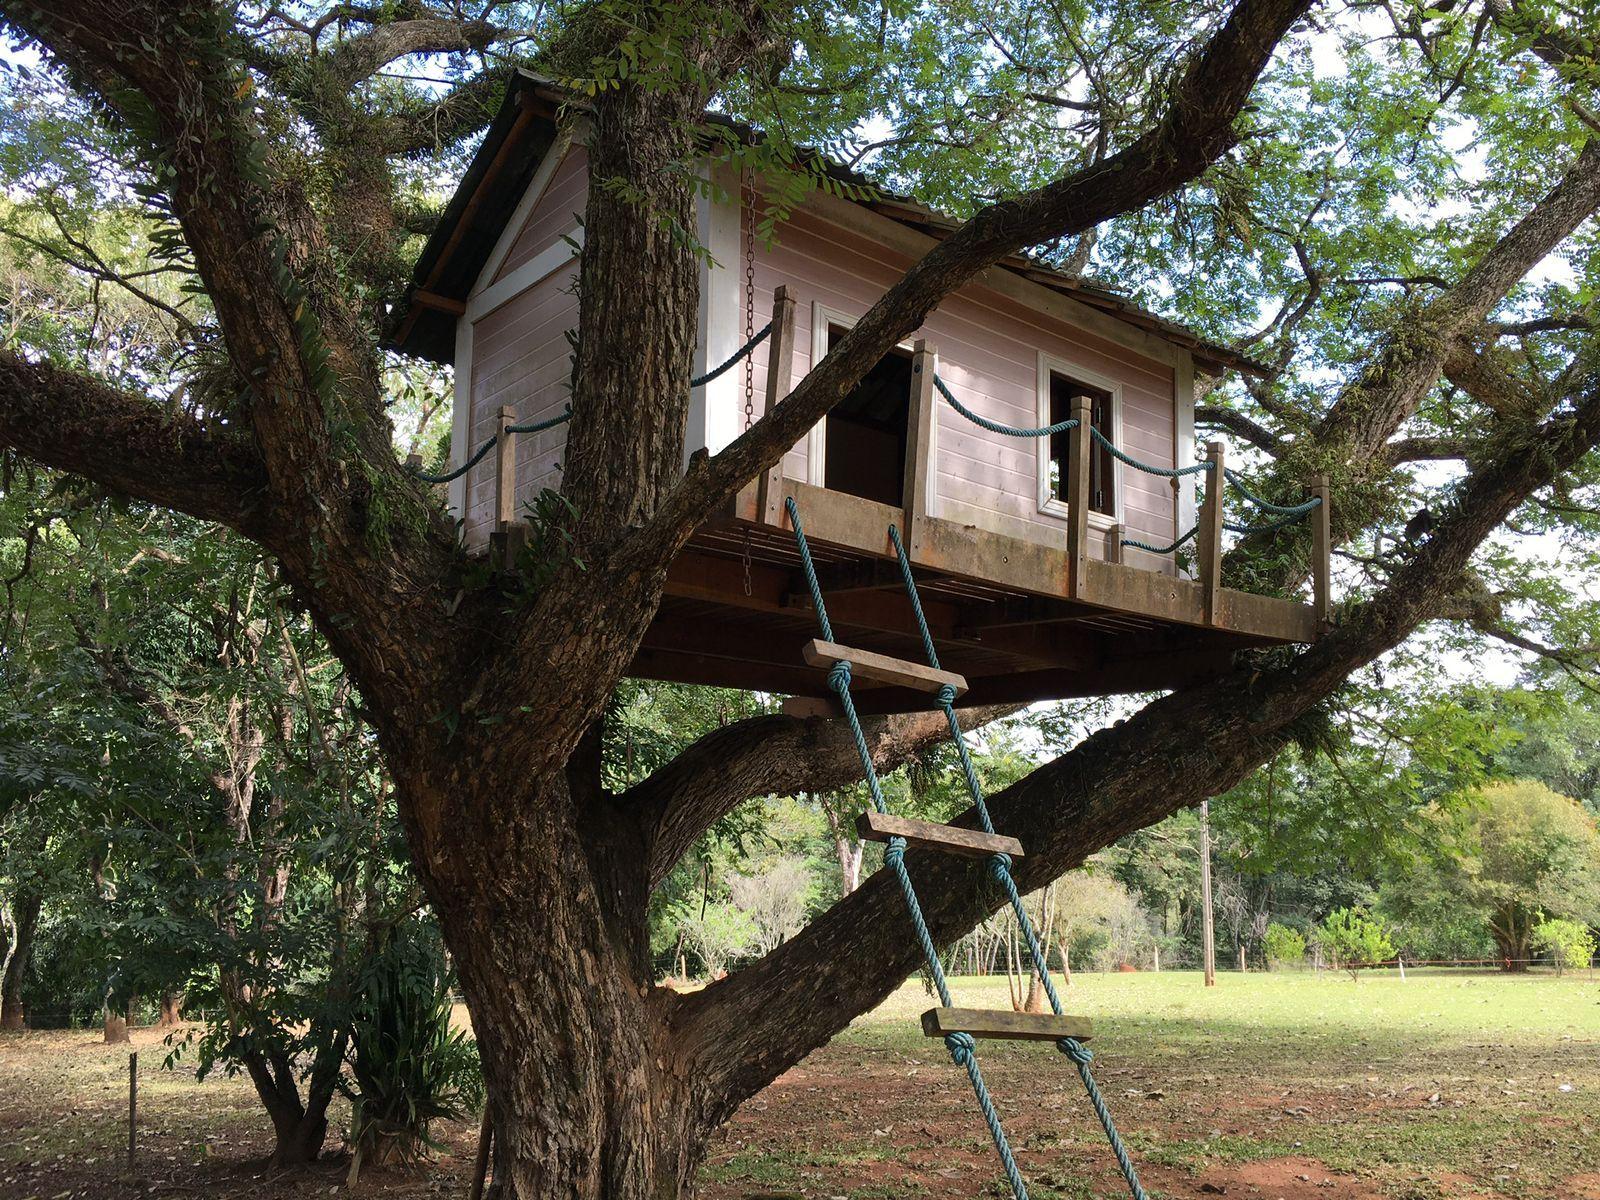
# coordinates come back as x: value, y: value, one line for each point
x: 865, y: 440
x: 1102, y: 467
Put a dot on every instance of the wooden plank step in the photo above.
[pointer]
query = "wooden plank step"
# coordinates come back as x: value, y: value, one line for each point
x: 880, y: 668
x: 874, y: 826
x: 1003, y: 1024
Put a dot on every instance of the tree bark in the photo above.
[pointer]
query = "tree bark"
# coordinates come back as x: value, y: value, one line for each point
x: 171, y: 1010
x: 24, y: 922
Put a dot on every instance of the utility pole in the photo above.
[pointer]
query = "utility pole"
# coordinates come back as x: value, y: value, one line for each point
x: 1207, y: 926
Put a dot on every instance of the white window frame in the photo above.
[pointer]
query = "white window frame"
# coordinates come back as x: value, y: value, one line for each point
x: 817, y: 437
x: 1051, y: 365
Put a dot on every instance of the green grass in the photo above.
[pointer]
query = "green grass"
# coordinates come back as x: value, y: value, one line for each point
x: 1449, y: 1083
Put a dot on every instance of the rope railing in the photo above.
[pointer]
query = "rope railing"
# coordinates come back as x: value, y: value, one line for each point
x: 494, y: 438
x: 760, y: 336
x: 995, y: 426
x: 1149, y: 468
x: 541, y: 426
x: 1265, y: 505
x: 1168, y: 548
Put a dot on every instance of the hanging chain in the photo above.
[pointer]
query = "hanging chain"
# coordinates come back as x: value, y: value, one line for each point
x: 749, y: 210
x: 746, y: 561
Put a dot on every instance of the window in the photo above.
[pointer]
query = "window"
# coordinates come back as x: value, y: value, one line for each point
x: 866, y: 431
x: 1102, y: 467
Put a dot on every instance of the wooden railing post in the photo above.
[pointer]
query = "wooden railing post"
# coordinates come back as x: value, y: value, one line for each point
x: 1209, y: 537
x: 1114, y: 544
x: 1080, y: 446
x: 780, y: 371
x: 1321, y: 552
x: 919, y: 444
x: 509, y: 533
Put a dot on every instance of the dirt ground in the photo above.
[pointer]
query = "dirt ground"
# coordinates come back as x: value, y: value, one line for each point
x: 1471, y: 1088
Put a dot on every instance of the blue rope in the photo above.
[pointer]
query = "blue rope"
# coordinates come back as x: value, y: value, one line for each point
x: 1270, y: 526
x: 1150, y: 468
x: 1293, y: 510
x: 463, y: 468
x: 477, y: 457
x: 995, y: 426
x: 735, y: 357
x: 1167, y: 549
x: 541, y: 426
x: 1000, y: 869
x: 961, y: 1046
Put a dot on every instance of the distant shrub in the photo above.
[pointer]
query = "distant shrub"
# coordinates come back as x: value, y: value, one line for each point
x: 1284, y: 946
x: 1353, y: 938
x: 1568, y: 943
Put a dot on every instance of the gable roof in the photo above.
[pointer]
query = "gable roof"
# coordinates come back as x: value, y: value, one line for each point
x: 523, y: 130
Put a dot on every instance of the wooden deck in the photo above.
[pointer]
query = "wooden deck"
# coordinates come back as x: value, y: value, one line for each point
x: 1007, y: 615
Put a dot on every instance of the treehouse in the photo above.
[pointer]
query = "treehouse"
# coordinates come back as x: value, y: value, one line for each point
x: 1033, y: 445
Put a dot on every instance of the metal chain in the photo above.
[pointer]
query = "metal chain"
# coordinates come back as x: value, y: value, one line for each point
x: 746, y: 560
x: 749, y: 209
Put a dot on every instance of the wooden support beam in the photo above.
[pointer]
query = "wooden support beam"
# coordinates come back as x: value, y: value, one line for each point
x: 874, y: 826
x: 1210, y: 536
x: 919, y: 466
x: 438, y: 303
x: 1010, y: 1026
x: 1321, y: 553
x: 1080, y: 448
x: 880, y: 668
x: 780, y: 371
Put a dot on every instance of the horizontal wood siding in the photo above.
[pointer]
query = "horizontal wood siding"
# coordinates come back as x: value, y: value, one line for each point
x: 521, y: 357
x: 988, y: 353
x: 558, y: 210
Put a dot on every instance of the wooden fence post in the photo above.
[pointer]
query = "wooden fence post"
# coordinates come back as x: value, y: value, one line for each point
x: 1321, y: 552
x: 780, y: 370
x: 133, y: 1103
x: 1210, y: 535
x: 509, y: 533
x: 919, y: 443
x: 1080, y: 446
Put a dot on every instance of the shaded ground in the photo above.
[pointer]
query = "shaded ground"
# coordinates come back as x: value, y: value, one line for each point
x: 1292, y: 1086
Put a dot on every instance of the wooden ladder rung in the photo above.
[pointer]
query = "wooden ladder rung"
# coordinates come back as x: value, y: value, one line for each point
x: 880, y: 668
x: 874, y: 826
x: 1000, y: 1023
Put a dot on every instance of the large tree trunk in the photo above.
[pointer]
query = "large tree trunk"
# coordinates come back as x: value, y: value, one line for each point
x: 171, y: 1010
x: 1512, y: 930
x: 24, y: 921
x: 589, y: 1087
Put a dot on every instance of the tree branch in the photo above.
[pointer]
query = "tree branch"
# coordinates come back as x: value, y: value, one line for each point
x: 1239, y: 425
x: 77, y: 423
x: 773, y: 755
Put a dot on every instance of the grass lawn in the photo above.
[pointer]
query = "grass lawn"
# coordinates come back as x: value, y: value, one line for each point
x: 1287, y: 1086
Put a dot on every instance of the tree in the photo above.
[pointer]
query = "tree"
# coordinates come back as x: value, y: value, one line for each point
x: 1568, y: 943
x: 1284, y: 946
x: 1521, y: 852
x: 1353, y: 938
x: 280, y: 161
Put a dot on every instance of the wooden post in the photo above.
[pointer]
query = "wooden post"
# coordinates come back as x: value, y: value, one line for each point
x: 1321, y: 552
x: 1242, y: 967
x: 1208, y: 941
x: 1080, y: 446
x: 780, y: 370
x: 1114, y: 549
x: 919, y: 443
x: 133, y: 1103
x: 509, y: 533
x: 480, y: 1169
x: 1210, y: 535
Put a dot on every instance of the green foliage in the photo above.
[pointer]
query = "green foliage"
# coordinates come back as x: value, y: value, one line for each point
x: 408, y: 1067
x: 1353, y: 938
x: 1570, y: 944
x: 1284, y: 946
